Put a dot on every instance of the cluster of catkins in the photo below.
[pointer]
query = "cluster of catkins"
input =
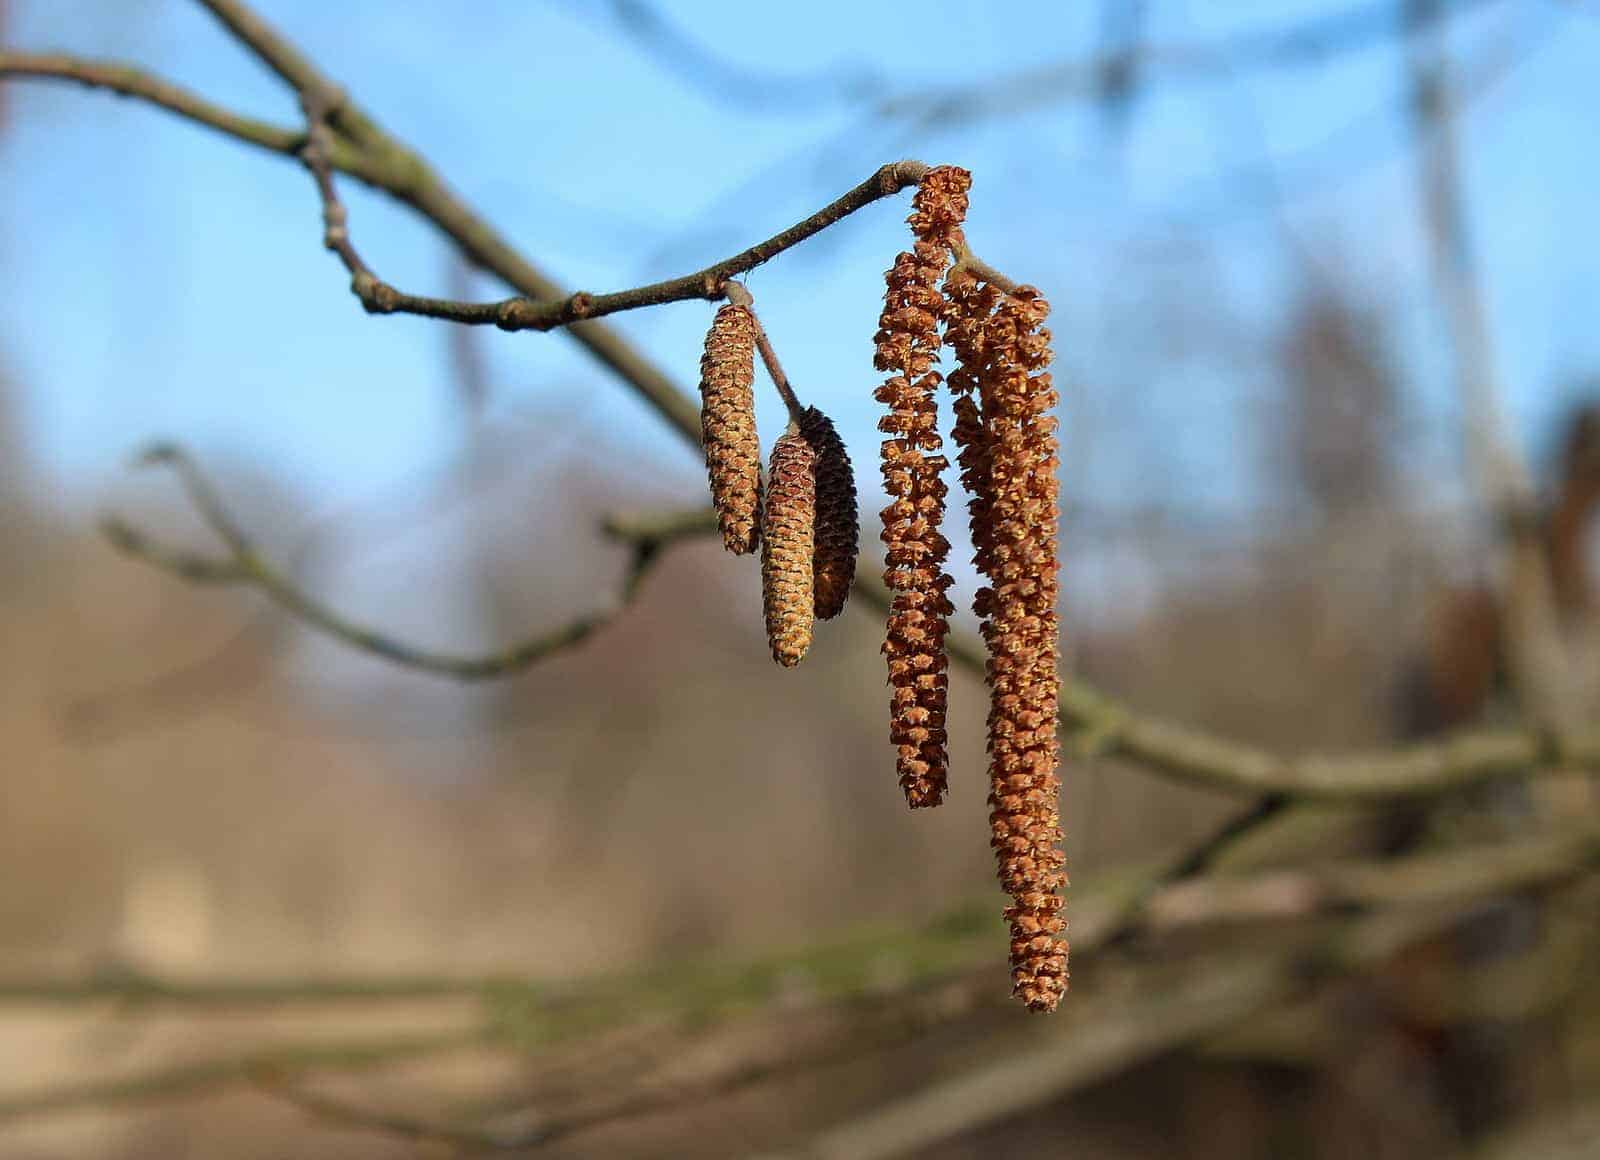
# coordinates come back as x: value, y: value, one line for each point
x: 805, y: 525
x: 805, y: 522
x: 1006, y: 437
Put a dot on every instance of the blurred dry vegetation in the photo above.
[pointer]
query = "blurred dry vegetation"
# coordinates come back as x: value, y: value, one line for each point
x: 194, y: 787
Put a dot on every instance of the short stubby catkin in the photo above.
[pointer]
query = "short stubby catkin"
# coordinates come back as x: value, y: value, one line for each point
x: 788, y: 547
x: 838, y: 529
x: 907, y: 344
x: 1018, y: 554
x: 728, y: 426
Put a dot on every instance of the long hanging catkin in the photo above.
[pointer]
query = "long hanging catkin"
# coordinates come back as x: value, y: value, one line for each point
x: 728, y: 426
x: 907, y: 343
x: 1017, y: 551
x: 968, y: 305
x: 838, y: 530
x: 788, y: 551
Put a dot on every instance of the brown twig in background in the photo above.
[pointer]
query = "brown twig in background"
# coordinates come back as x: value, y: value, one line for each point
x: 231, y: 1071
x: 1314, y: 40
x: 246, y: 565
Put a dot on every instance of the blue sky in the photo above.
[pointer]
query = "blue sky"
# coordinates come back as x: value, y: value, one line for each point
x: 162, y: 281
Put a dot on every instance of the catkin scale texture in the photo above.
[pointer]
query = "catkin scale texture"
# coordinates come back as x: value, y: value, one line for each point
x: 1009, y: 457
x: 838, y: 527
x: 728, y: 427
x: 788, y: 547
x: 907, y: 344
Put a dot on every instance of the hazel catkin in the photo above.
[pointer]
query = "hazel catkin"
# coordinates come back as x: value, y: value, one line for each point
x: 728, y: 426
x: 1015, y: 465
x: 838, y: 528
x: 788, y: 550
x: 907, y: 344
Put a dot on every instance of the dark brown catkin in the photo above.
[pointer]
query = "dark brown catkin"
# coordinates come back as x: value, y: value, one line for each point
x: 907, y: 344
x: 1018, y: 554
x: 788, y: 552
x: 838, y: 529
x: 728, y: 426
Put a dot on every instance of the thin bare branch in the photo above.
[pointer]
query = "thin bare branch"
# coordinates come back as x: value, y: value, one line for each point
x: 1322, y: 38
x: 245, y: 564
x: 131, y: 81
x: 1424, y: 880
x: 213, y: 1074
x: 523, y: 313
x: 1319, y: 39
x: 387, y: 1122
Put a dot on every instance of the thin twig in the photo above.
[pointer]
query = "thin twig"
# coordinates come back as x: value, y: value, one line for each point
x: 737, y: 293
x: 213, y: 1074
x: 967, y: 260
x: 523, y: 313
x: 404, y: 1125
x: 1320, y: 39
x: 247, y: 565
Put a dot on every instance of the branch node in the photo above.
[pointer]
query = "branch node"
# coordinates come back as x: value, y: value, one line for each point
x: 579, y: 306
x: 376, y: 297
x: 512, y: 314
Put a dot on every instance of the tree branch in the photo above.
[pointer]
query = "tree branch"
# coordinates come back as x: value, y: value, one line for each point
x: 131, y: 81
x: 212, y: 1074
x: 1316, y: 40
x: 363, y: 150
x: 246, y: 565
x: 522, y: 313
x: 1419, y: 881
